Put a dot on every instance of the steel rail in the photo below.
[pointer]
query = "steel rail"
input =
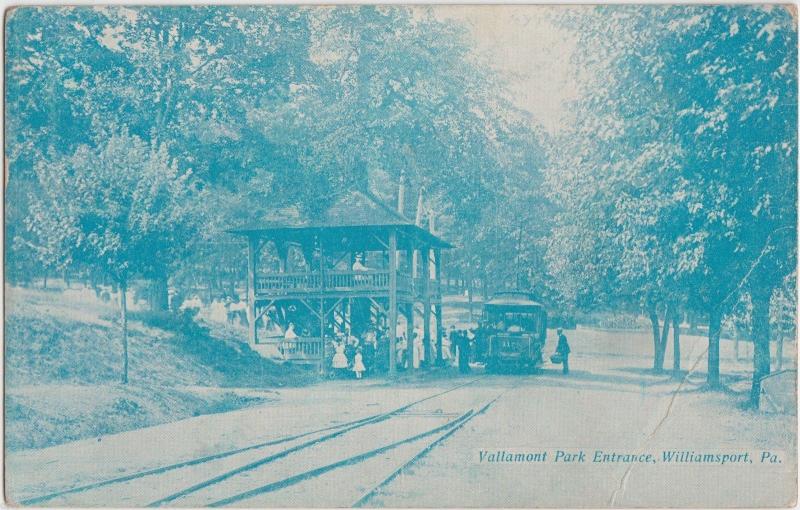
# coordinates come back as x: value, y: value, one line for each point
x: 216, y: 456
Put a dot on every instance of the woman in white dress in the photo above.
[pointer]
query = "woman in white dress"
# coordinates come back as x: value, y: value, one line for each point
x: 339, y: 362
x: 447, y: 344
x: 289, y: 336
x: 418, y: 351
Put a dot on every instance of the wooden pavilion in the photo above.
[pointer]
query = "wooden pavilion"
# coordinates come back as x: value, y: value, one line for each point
x: 350, y: 268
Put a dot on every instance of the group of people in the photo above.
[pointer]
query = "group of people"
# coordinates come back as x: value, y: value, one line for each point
x: 354, y: 356
x: 463, y: 340
x: 411, y: 353
x: 274, y: 330
x: 369, y: 354
x: 359, y: 356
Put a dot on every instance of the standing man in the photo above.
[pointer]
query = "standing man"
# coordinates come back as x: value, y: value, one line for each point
x: 383, y: 349
x: 462, y: 342
x: 563, y: 350
x: 401, y: 345
x: 369, y: 351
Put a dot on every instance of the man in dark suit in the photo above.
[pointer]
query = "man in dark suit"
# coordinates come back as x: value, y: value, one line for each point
x: 462, y: 342
x: 563, y: 350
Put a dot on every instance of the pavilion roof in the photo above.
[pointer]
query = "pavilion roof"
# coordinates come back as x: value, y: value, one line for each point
x: 354, y: 214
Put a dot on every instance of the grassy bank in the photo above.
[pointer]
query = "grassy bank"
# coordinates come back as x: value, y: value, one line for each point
x: 63, y: 359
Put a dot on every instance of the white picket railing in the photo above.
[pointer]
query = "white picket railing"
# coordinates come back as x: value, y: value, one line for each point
x: 287, y: 283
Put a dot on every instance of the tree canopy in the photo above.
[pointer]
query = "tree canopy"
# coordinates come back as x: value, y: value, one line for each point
x: 673, y: 191
x: 289, y: 103
x: 681, y: 171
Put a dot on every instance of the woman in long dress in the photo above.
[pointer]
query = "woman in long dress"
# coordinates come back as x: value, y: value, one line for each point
x: 447, y: 342
x: 339, y: 362
x: 417, y: 350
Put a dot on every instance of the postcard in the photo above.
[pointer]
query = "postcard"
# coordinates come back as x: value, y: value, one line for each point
x: 423, y: 256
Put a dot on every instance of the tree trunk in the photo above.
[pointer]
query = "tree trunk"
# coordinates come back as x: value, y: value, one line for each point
x: 676, y: 342
x: 714, y: 327
x: 692, y: 323
x: 780, y: 334
x: 658, y: 362
x: 469, y: 296
x: 44, y: 282
x: 653, y: 314
x: 123, y: 305
x: 159, y: 294
x: 93, y: 283
x: 760, y: 337
x: 232, y: 282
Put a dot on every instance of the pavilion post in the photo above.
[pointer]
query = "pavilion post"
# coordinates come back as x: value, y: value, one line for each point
x: 408, y: 312
x: 322, y: 365
x: 392, y: 303
x: 252, y: 257
x: 438, y: 277
x: 283, y: 255
x: 408, y: 309
x: 426, y: 303
x: 308, y: 254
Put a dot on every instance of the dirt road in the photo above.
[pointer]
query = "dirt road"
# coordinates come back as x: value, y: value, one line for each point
x: 445, y: 442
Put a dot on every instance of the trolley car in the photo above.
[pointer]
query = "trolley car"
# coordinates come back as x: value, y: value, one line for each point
x: 512, y: 332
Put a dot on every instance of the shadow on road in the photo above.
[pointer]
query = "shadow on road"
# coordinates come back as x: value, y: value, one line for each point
x: 592, y: 381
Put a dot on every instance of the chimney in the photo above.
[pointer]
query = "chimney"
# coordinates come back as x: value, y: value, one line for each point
x: 401, y: 193
x: 418, y: 220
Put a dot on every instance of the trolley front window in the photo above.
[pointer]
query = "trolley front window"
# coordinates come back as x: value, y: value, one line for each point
x: 514, y: 321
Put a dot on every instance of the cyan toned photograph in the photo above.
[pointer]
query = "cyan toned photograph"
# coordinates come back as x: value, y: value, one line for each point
x: 400, y: 256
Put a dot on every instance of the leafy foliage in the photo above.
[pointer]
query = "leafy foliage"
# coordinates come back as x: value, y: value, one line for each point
x: 275, y: 106
x: 128, y: 208
x: 680, y: 176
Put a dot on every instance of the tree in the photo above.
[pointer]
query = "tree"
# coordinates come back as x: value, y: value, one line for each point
x: 181, y: 78
x: 692, y: 114
x: 734, y: 78
x: 293, y: 104
x: 129, y: 209
x: 615, y: 175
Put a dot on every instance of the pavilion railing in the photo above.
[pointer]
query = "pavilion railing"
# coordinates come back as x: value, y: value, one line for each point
x: 300, y: 348
x: 356, y: 279
x: 287, y: 283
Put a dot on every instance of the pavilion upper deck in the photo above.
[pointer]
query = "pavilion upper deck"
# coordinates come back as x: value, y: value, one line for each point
x: 352, y: 224
x: 371, y: 283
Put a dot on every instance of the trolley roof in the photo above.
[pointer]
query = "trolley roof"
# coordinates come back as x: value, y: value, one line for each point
x: 513, y: 298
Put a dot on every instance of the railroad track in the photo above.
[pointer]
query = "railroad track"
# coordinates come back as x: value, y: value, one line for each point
x: 290, y: 466
x: 377, y: 489
x: 37, y: 500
